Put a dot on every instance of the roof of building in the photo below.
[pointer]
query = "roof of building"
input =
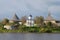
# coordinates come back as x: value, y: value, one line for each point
x: 30, y: 15
x: 15, y: 17
x: 49, y: 17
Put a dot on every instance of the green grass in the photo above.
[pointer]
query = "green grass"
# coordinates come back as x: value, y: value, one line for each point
x: 33, y: 29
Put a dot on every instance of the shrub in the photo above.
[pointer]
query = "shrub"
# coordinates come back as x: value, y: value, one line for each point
x: 48, y: 31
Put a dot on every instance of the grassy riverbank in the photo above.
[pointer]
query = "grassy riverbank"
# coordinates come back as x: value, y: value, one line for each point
x: 34, y: 29
x: 39, y: 26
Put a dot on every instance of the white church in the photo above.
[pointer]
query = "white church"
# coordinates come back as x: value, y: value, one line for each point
x: 29, y: 21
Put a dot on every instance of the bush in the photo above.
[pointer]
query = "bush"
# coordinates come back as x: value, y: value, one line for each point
x: 48, y: 31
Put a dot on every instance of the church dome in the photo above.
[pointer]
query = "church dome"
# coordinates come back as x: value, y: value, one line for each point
x: 30, y: 17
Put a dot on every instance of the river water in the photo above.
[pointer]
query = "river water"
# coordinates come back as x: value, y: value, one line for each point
x: 29, y: 36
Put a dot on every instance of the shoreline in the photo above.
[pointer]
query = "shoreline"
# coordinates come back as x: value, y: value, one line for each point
x: 31, y: 30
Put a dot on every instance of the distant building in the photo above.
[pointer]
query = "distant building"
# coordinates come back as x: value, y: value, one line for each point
x: 58, y: 22
x: 52, y: 20
x: 29, y: 21
x: 14, y: 19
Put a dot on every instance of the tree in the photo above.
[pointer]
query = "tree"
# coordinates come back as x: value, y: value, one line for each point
x: 39, y: 20
x: 49, y: 24
x: 23, y: 19
x: 5, y: 21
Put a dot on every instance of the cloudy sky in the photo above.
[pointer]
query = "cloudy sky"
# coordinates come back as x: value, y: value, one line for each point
x: 26, y: 7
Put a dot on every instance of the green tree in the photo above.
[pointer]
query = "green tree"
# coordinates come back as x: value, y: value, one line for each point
x: 49, y: 24
x: 5, y: 21
x: 23, y: 19
x: 39, y: 20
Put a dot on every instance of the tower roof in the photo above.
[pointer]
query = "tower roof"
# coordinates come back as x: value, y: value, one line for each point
x: 49, y: 18
x: 15, y: 17
x: 30, y: 15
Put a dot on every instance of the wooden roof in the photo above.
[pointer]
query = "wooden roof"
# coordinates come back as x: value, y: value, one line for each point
x: 49, y: 17
x: 15, y: 17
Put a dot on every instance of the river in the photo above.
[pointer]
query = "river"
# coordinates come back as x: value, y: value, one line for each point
x: 29, y: 36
